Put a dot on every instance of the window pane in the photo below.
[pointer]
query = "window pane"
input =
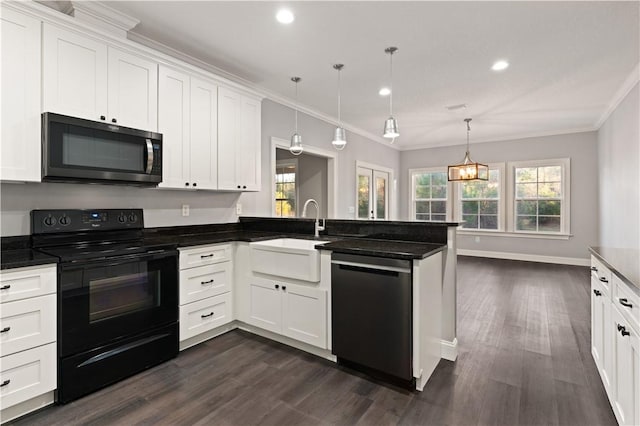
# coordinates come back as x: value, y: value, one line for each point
x: 438, y: 217
x: 549, y: 208
x: 381, y: 193
x: 549, y: 223
x: 363, y: 197
x: 469, y: 207
x: 526, y: 223
x: 488, y: 222
x: 526, y: 174
x: 526, y: 207
x: 439, y: 207
x: 439, y: 178
x: 549, y: 190
x: 438, y: 192
x: 423, y: 179
x: 550, y: 174
x: 470, y: 221
x: 488, y: 207
x: 422, y: 207
x: 422, y: 217
x: 423, y: 191
x: 526, y: 190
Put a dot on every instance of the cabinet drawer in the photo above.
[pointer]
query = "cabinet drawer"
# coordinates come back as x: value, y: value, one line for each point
x: 204, y: 281
x: 204, y: 255
x: 21, y: 283
x: 602, y: 274
x: 627, y: 302
x: 204, y: 315
x: 27, y: 374
x: 27, y: 323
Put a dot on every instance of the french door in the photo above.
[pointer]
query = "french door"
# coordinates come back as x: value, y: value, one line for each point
x: 372, y: 194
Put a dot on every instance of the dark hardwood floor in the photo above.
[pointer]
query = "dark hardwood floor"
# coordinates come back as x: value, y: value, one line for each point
x: 524, y: 358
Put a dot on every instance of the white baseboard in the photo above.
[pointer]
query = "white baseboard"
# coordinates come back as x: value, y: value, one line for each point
x: 449, y: 350
x: 576, y: 261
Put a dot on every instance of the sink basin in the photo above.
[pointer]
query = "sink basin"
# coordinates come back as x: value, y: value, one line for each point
x: 287, y: 257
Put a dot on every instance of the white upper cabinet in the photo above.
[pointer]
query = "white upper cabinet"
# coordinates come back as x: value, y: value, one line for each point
x: 188, y: 115
x: 85, y: 78
x: 20, y: 139
x: 239, y: 141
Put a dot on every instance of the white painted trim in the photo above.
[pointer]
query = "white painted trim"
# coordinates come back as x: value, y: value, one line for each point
x: 576, y: 261
x: 628, y: 84
x: 412, y: 191
x: 449, y: 349
x: 103, y: 16
x: 502, y: 197
x: 332, y: 173
x: 26, y: 407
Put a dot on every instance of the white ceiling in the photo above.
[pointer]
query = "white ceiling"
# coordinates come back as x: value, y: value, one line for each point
x: 567, y: 59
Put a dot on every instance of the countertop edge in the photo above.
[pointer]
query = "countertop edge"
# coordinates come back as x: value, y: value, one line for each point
x: 634, y: 286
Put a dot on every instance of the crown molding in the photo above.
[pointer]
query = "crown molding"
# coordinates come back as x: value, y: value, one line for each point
x: 103, y: 16
x: 628, y: 84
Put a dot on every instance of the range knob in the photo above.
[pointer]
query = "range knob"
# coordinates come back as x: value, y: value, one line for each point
x: 122, y: 218
x: 64, y: 220
x: 49, y: 221
x: 133, y: 217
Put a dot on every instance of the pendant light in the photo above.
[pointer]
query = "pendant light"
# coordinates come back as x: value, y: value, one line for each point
x: 296, y: 140
x: 391, y: 124
x: 468, y: 169
x: 339, y: 135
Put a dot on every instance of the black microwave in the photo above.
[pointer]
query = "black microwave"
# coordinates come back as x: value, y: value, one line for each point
x: 78, y: 150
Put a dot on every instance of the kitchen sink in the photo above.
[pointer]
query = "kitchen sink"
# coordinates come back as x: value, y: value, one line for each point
x: 287, y: 257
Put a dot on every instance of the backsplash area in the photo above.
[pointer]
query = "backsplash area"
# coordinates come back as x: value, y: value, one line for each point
x: 161, y: 207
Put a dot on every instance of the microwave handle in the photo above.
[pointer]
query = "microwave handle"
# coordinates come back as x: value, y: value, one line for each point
x: 149, y: 156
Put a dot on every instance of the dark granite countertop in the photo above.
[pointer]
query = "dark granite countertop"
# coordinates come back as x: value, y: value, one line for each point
x: 625, y: 263
x: 383, y: 248
x: 19, y: 258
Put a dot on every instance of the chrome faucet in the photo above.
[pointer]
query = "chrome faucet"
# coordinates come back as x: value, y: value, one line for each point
x: 317, y: 226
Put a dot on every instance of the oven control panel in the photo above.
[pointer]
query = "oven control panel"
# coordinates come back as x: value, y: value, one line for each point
x: 54, y: 221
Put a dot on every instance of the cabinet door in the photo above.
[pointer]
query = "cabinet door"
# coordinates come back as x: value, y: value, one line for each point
x: 204, y: 137
x: 305, y: 314
x: 173, y: 122
x: 598, y: 325
x: 20, y: 139
x: 249, y: 153
x: 133, y: 90
x: 74, y: 74
x: 229, y: 106
x: 627, y: 371
x: 265, y: 305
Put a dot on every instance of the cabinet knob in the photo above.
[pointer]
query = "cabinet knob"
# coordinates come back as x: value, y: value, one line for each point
x: 604, y: 280
x: 277, y: 286
x: 113, y: 120
x: 284, y: 288
x: 5, y: 287
x: 238, y: 186
x: 102, y: 117
x: 194, y: 184
x: 244, y: 186
x: 186, y: 184
x: 597, y: 292
x: 625, y: 302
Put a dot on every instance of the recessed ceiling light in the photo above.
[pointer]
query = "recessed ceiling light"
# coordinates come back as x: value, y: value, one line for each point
x: 457, y: 107
x: 385, y: 91
x: 284, y: 16
x: 500, y: 65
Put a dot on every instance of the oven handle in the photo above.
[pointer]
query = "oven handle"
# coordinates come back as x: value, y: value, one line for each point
x: 121, y: 260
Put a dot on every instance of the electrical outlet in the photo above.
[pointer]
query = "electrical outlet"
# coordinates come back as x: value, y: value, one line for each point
x: 185, y: 210
x: 238, y: 208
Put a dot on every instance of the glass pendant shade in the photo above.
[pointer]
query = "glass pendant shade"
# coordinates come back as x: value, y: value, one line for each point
x: 391, y: 128
x: 339, y: 138
x: 468, y: 169
x: 296, y: 144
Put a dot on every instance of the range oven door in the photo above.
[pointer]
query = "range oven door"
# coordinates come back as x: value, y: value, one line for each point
x: 101, y: 302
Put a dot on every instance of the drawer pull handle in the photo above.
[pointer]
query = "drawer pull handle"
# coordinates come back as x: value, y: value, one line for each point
x: 5, y: 287
x: 597, y: 292
x: 4, y: 330
x: 594, y: 269
x: 206, y: 282
x: 623, y: 330
x: 5, y: 383
x: 604, y: 280
x: 204, y: 256
x: 625, y: 302
x: 207, y: 315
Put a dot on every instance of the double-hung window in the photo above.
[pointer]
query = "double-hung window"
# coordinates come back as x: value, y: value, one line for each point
x: 480, y: 203
x: 541, y: 196
x: 429, y: 194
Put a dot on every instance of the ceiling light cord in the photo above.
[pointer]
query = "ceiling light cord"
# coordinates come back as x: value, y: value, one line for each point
x: 466, y: 157
x: 391, y: 83
x: 296, y: 113
x: 339, y: 90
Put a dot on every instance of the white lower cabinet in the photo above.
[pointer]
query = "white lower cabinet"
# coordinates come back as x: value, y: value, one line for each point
x: 293, y: 310
x: 206, y: 282
x: 615, y: 342
x: 28, y: 374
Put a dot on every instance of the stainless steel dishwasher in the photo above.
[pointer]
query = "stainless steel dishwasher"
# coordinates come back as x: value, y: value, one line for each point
x: 371, y: 316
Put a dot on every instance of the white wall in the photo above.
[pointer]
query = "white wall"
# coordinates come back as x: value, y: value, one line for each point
x: 164, y: 207
x: 581, y: 148
x: 619, y: 174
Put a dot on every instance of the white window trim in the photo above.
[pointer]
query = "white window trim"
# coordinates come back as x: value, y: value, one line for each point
x: 565, y: 212
x: 412, y: 192
x: 457, y: 200
x: 284, y: 163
